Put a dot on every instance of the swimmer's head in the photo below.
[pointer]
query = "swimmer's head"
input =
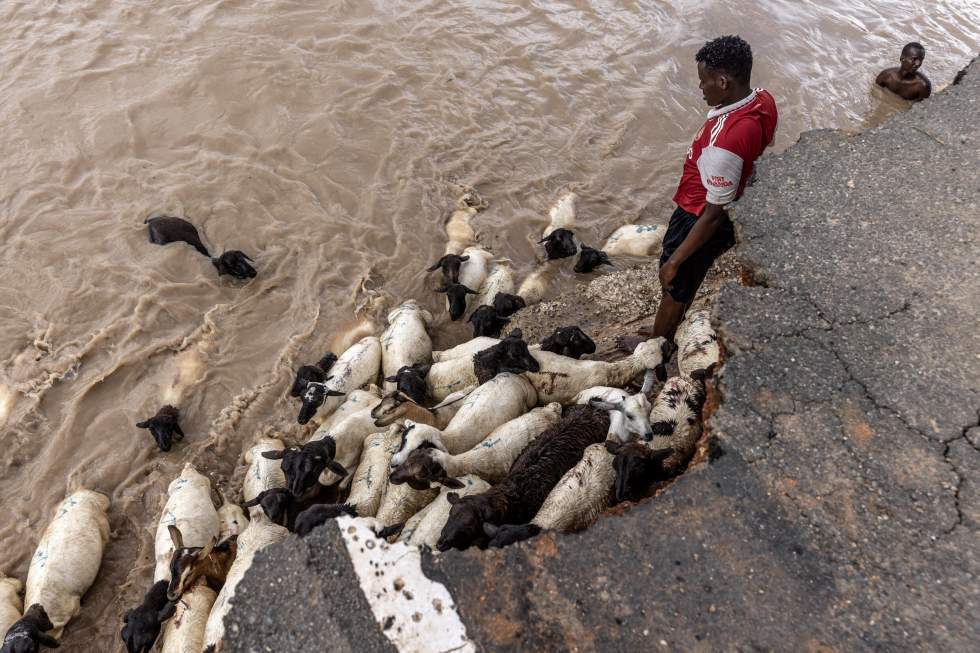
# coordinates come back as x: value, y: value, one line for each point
x: 912, y: 56
x: 725, y: 69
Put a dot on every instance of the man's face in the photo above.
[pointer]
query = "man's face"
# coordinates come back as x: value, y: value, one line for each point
x: 912, y: 60
x: 714, y: 86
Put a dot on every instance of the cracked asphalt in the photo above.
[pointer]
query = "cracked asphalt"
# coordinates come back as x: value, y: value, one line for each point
x: 840, y: 508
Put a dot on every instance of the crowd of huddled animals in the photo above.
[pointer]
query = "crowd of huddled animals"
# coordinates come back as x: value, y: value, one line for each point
x: 485, y: 444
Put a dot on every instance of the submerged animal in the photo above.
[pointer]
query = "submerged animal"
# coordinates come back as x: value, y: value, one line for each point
x: 142, y: 624
x: 560, y: 243
x: 487, y: 321
x: 568, y: 341
x: 29, y: 632
x: 590, y: 258
x: 164, y: 427
x: 456, y: 299
x: 507, y: 304
x: 166, y: 229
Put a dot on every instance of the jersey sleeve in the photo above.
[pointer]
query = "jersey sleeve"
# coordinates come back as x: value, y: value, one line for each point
x: 721, y: 172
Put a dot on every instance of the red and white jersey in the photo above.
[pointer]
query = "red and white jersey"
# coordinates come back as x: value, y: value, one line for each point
x: 720, y: 160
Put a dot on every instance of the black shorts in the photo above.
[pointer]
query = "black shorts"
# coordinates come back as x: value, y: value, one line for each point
x: 691, y: 272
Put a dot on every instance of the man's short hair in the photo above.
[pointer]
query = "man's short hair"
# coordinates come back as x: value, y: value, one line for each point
x: 729, y: 54
x: 914, y: 45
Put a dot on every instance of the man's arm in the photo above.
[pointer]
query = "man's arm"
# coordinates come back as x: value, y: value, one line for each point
x: 927, y: 89
x: 882, y: 78
x: 713, y: 217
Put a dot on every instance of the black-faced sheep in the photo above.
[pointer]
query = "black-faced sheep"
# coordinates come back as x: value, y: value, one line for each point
x: 509, y: 355
x: 560, y: 243
x: 410, y: 381
x: 165, y: 229
x: 164, y: 427
x: 313, y: 397
x: 450, y: 264
x: 517, y: 498
x: 29, y: 632
x: 507, y: 304
x: 456, y: 299
x: 569, y: 341
x: 302, y: 466
x: 316, y: 373
x: 590, y: 258
x: 143, y: 623
x: 487, y: 322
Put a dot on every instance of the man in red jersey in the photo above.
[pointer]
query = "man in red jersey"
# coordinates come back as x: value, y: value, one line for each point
x: 740, y: 125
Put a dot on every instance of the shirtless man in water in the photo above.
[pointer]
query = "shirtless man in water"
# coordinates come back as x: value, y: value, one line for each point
x: 905, y: 80
x: 740, y: 125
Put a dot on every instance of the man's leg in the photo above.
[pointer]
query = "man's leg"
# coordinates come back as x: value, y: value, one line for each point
x: 669, y: 316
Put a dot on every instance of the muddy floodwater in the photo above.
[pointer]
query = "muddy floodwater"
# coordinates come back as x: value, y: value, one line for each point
x: 328, y: 141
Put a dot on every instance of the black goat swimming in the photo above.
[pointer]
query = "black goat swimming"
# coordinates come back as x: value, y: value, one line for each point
x: 28, y: 633
x: 568, y: 341
x: 487, y: 322
x: 166, y: 229
x: 560, y: 243
x: 410, y: 380
x: 517, y: 498
x: 456, y: 297
x: 316, y: 373
x: 164, y: 427
x: 509, y: 355
x: 142, y: 623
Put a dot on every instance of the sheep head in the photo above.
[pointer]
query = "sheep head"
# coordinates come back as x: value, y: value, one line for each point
x: 569, y: 341
x: 393, y: 407
x: 189, y: 563
x: 422, y: 468
x: 410, y: 379
x: 590, y: 259
x: 315, y: 516
x: 27, y: 633
x: 464, y: 527
x: 507, y: 304
x: 302, y: 466
x: 636, y: 466
x: 560, y: 243
x: 456, y: 296
x: 450, y: 265
x: 142, y: 623
x: 509, y: 355
x: 164, y: 427
x: 415, y: 435
x: 314, y: 396
x: 487, y: 322
x: 275, y: 504
x: 629, y: 417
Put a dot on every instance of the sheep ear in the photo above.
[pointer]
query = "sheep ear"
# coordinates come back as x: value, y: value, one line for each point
x: 468, y: 291
x: 335, y: 393
x: 613, y: 447
x: 176, y: 537
x: 275, y: 454
x: 661, y: 372
x: 337, y: 468
x: 206, y: 551
x: 605, y: 405
x: 464, y: 258
x: 424, y: 368
x: 435, y: 266
x: 442, y: 289
x: 143, y: 425
x: 167, y: 611
x: 452, y: 498
x: 452, y: 483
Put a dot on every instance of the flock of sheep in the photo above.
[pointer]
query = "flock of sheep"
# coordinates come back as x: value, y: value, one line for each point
x: 487, y: 443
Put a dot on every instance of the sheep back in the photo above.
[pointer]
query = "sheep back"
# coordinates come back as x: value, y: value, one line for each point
x: 184, y: 632
x: 635, y: 240
x: 356, y: 367
x: 465, y: 350
x: 371, y: 474
x: 424, y: 528
x: 10, y: 603
x: 68, y: 557
x: 582, y: 493
x: 259, y: 534
x: 401, y: 502
x: 499, y: 400
x: 190, y: 509
x: 500, y: 279
x: 355, y: 401
x: 450, y: 376
x: 405, y: 341
x: 232, y: 520
x: 262, y: 474
x: 543, y: 463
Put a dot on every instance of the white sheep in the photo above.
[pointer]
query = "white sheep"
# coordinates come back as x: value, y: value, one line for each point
x: 698, y: 351
x: 356, y: 367
x: 259, y: 534
x: 10, y: 603
x: 500, y: 280
x: 490, y: 459
x: 459, y: 230
x: 629, y: 415
x: 676, y: 420
x: 405, y: 341
x: 400, y: 502
x: 535, y: 286
x: 497, y: 401
x: 190, y: 366
x: 262, y: 474
x: 561, y: 215
x: 68, y: 557
x: 184, y: 632
x: 561, y: 378
x: 190, y: 509
x: 424, y: 528
x: 357, y: 400
x: 371, y: 475
x: 465, y: 350
x: 473, y: 272
x: 349, y: 436
x: 635, y: 240
x: 582, y: 493
x: 232, y: 519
